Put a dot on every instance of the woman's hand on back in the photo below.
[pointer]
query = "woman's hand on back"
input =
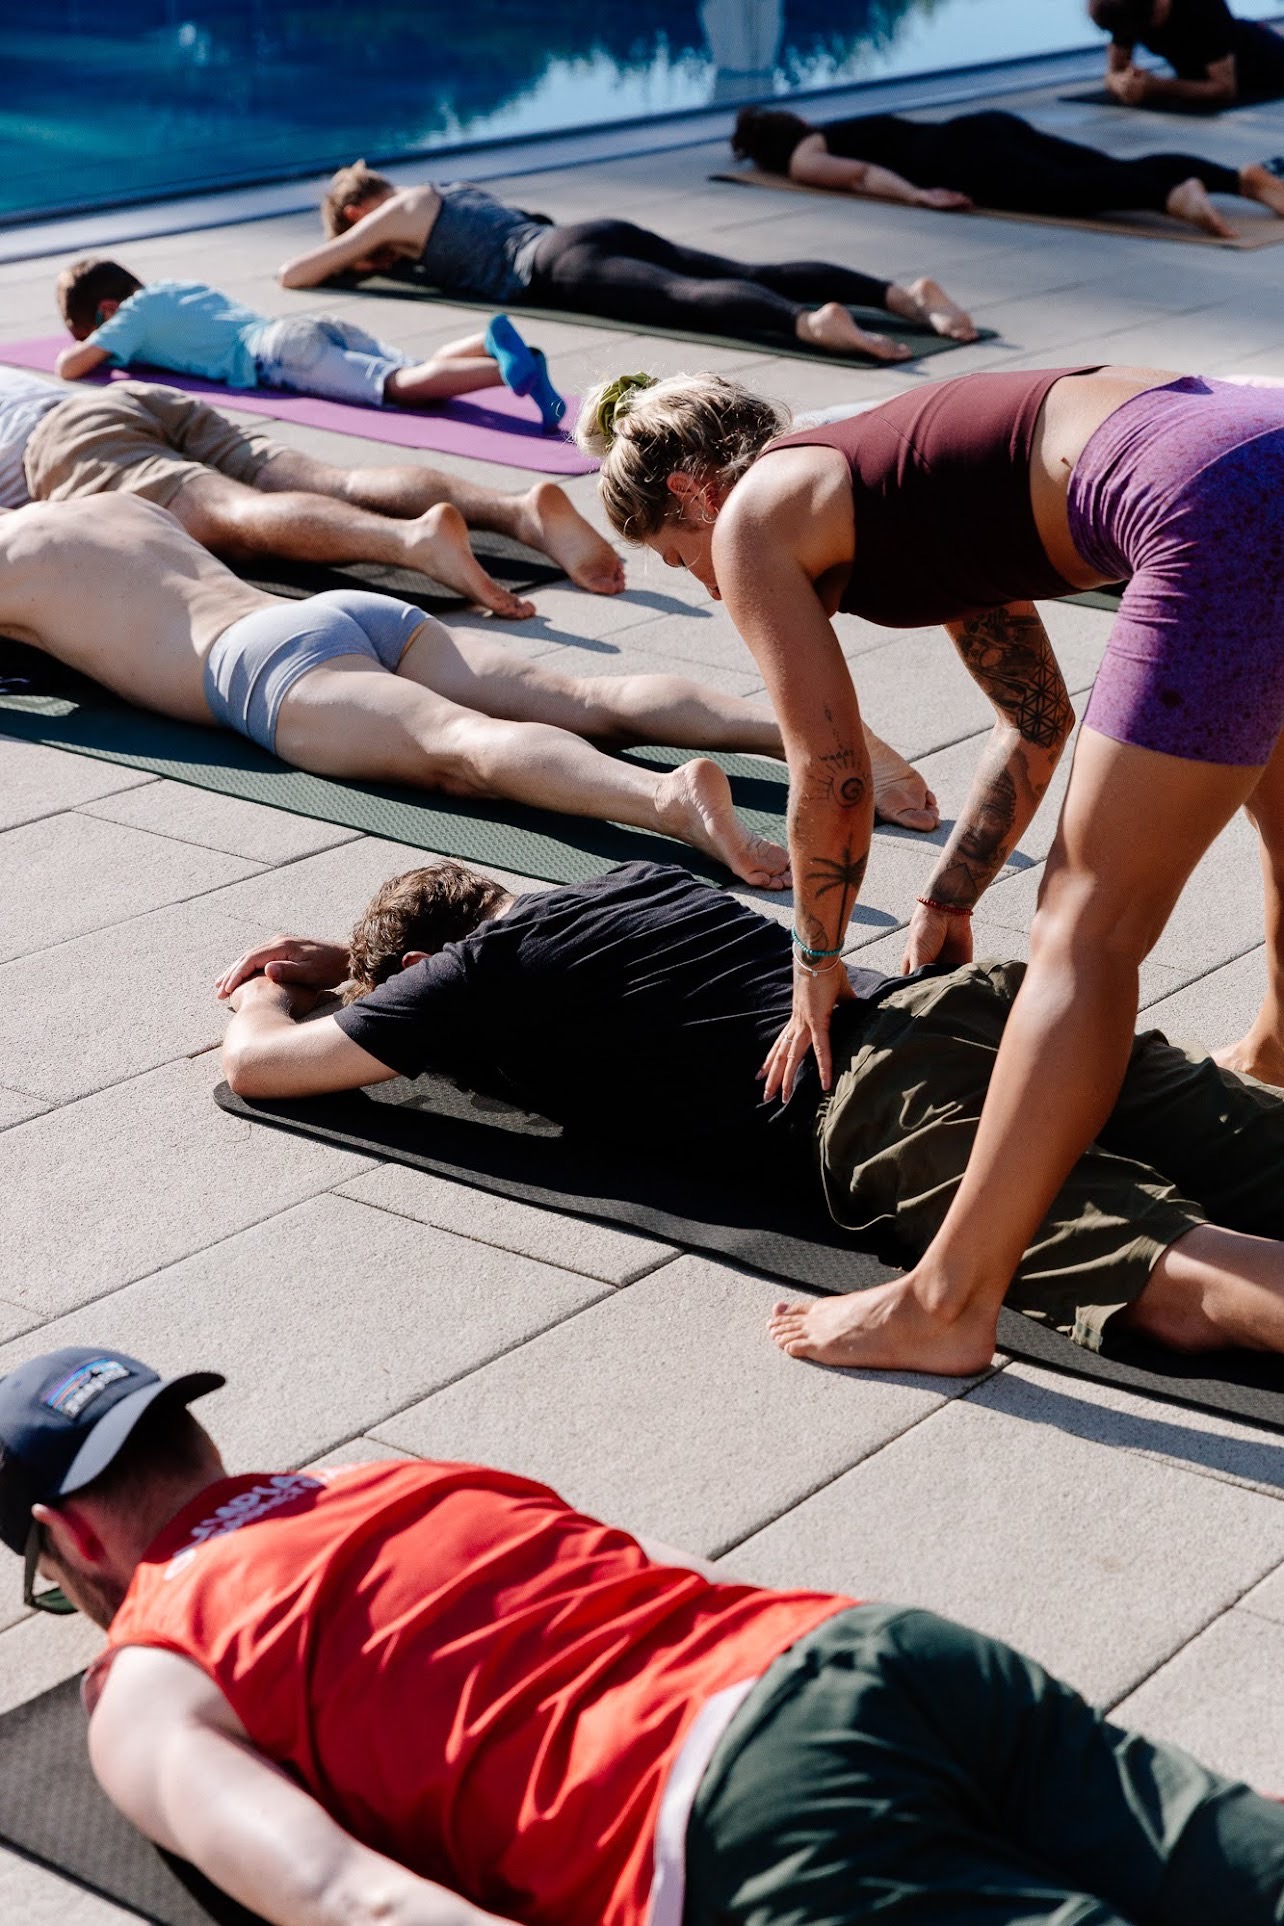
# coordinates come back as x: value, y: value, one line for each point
x: 936, y: 937
x: 816, y: 996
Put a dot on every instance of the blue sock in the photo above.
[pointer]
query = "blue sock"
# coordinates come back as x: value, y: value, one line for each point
x: 524, y: 370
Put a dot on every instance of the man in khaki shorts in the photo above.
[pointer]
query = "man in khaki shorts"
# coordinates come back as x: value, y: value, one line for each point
x: 244, y: 495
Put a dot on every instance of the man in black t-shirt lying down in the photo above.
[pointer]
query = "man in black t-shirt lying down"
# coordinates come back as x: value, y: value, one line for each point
x: 642, y: 1005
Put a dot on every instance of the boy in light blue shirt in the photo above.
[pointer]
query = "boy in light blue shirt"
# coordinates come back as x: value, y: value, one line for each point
x: 193, y: 329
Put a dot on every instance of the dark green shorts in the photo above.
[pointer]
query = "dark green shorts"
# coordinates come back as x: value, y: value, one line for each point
x: 1187, y: 1142
x: 894, y: 1767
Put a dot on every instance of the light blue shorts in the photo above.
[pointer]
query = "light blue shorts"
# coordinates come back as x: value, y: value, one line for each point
x: 253, y: 665
x: 316, y: 354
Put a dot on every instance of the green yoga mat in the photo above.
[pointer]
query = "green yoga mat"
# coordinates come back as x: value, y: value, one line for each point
x: 530, y: 842
x: 411, y: 287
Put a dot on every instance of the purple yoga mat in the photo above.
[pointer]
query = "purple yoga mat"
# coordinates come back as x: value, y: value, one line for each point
x: 494, y: 425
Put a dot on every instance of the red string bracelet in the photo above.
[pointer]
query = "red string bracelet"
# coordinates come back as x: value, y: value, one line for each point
x: 945, y: 909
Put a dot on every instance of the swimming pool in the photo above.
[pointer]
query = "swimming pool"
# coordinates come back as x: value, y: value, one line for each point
x: 154, y: 97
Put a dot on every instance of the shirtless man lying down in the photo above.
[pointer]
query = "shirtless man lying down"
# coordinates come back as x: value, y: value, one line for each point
x: 362, y: 686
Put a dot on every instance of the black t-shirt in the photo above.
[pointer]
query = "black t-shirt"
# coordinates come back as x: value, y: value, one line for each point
x: 1199, y: 33
x: 640, y: 1005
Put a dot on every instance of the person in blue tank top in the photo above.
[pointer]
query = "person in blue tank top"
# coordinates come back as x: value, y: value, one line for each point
x: 465, y: 242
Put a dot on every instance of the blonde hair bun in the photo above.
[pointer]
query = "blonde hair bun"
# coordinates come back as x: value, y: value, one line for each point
x: 643, y: 430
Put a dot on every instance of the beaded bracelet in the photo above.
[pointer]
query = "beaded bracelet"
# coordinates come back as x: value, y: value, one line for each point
x: 944, y: 909
x: 806, y: 949
x: 824, y: 969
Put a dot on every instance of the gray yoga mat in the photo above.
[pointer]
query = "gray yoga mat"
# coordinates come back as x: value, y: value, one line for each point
x: 411, y: 285
x: 52, y: 1810
x: 749, y: 1216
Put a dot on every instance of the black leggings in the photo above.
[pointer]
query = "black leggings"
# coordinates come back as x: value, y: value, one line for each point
x: 629, y: 274
x: 1001, y: 161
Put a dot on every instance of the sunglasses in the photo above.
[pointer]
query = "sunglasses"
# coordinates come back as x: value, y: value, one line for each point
x: 51, y: 1599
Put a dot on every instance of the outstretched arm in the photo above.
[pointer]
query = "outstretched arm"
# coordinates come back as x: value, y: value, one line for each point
x: 812, y: 165
x: 1008, y: 654
x: 169, y: 1752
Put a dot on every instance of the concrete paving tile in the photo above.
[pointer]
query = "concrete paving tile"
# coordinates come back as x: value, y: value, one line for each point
x: 17, y: 1105
x: 358, y: 1451
x: 1217, y: 917
x: 40, y: 1651
x: 1222, y: 1698
x: 112, y: 1187
x: 127, y: 998
x: 35, y: 781
x: 1267, y: 1598
x: 326, y: 1319
x: 1217, y: 1008
x: 1098, y: 1562
x: 226, y: 823
x: 667, y: 1410
x: 37, y: 1897
x: 322, y: 895
x: 68, y: 875
x: 572, y: 1243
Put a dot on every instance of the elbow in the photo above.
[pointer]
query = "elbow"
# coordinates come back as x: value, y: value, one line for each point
x: 65, y: 366
x: 291, y: 276
x: 243, y: 1076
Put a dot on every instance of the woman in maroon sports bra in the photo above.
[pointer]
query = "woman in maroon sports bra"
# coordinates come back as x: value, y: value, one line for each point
x: 963, y: 503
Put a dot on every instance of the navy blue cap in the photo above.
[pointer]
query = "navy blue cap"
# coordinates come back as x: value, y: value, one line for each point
x: 65, y: 1416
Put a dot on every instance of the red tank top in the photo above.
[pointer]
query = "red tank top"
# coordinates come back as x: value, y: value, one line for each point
x: 469, y: 1675
x: 941, y: 491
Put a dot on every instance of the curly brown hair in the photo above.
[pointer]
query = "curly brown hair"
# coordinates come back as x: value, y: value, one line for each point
x: 424, y: 909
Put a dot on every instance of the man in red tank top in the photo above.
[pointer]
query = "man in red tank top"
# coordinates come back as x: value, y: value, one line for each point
x: 413, y: 1692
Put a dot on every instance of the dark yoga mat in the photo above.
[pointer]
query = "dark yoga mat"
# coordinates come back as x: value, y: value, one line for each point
x: 53, y: 1811
x: 1102, y: 97
x: 75, y: 714
x: 745, y: 1216
x: 412, y: 285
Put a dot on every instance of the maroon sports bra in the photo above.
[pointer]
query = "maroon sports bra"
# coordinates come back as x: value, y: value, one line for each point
x: 941, y: 492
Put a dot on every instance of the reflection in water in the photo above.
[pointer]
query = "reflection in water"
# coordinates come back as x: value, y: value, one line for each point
x: 148, y: 96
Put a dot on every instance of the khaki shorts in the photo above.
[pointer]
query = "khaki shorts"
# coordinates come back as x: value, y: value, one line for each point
x: 1187, y: 1143
x: 139, y: 437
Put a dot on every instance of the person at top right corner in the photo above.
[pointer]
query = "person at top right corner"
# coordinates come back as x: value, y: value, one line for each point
x: 1216, y: 60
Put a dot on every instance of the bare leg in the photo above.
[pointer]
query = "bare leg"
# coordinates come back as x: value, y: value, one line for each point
x: 544, y: 517
x: 349, y: 720
x: 1189, y: 202
x: 1256, y: 184
x: 1260, y: 1052
x: 1213, y: 1288
x: 438, y: 379
x: 241, y: 523
x: 927, y: 301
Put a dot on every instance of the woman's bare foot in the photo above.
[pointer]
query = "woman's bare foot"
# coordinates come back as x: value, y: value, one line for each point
x: 884, y: 1329
x: 927, y: 301
x: 1254, y: 1056
x: 832, y: 327
x: 694, y: 803
x: 437, y: 543
x: 1189, y: 202
x: 1257, y: 183
x: 900, y: 794
x: 548, y: 520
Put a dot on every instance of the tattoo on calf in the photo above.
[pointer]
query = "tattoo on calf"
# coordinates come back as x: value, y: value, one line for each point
x: 1009, y: 655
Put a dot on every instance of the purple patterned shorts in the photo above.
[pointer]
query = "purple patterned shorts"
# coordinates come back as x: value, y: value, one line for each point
x: 1180, y: 493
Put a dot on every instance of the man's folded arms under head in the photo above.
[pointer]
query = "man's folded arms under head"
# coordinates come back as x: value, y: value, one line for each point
x: 427, y: 1694
x: 640, y: 1006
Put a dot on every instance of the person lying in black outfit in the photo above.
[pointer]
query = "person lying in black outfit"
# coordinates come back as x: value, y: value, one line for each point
x: 1216, y: 59
x: 635, y: 1009
x: 991, y: 159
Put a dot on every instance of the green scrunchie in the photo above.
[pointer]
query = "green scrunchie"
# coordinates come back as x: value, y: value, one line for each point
x: 612, y: 395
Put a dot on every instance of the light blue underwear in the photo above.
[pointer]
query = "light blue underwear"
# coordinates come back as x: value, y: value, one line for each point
x: 253, y: 665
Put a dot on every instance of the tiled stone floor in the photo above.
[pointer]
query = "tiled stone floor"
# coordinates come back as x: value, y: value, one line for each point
x: 1138, y: 1548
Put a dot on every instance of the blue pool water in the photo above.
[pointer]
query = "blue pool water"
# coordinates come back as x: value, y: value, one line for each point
x: 134, y: 99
